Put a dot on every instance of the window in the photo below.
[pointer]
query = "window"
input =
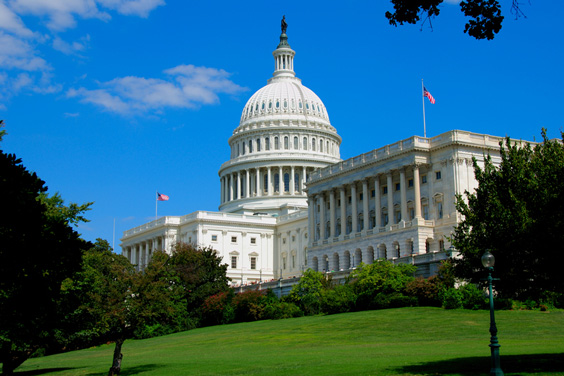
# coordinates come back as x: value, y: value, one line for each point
x: 426, y: 212
x: 243, y: 148
x: 258, y: 144
x: 286, y: 182
x: 361, y: 196
x: 286, y: 146
x: 293, y: 238
x: 304, y: 143
x: 250, y: 146
x: 300, y: 104
x: 338, y: 228
x: 233, y: 262
x: 253, y: 263
x: 410, y: 183
x: 423, y: 179
x: 283, y: 240
x: 265, y: 182
x: 437, y: 175
x: 276, y: 182
x: 440, y: 210
x: 360, y: 222
x: 349, y: 225
x: 350, y: 199
x: 441, y: 245
x: 297, y: 182
x: 253, y: 240
x: 296, y: 143
x: 214, y: 238
x: 276, y: 144
x: 398, y: 186
x: 293, y: 261
x: 267, y: 144
x: 321, y: 146
x: 385, y: 190
x: 373, y: 193
x: 233, y: 239
x: 327, y: 230
x: 313, y: 144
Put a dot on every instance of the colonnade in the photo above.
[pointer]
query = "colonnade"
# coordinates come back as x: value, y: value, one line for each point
x: 341, y: 216
x: 264, y: 181
x: 295, y: 141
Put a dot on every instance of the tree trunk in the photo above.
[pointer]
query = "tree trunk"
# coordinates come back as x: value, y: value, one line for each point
x: 118, y: 356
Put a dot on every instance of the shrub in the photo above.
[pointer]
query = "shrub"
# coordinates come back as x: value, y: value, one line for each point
x: 340, y: 299
x: 307, y: 293
x: 249, y: 305
x: 452, y: 298
x: 472, y: 297
x: 217, y: 309
x: 277, y: 310
x: 392, y: 300
x: 426, y: 291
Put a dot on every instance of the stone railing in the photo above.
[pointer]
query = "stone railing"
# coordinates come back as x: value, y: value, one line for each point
x: 156, y: 223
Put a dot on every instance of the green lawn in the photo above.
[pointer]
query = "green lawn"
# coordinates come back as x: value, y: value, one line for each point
x: 406, y: 341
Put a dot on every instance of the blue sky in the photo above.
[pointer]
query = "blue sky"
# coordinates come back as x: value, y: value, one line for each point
x: 112, y: 100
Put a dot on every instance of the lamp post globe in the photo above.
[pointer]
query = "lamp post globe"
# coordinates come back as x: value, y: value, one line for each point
x: 488, y: 260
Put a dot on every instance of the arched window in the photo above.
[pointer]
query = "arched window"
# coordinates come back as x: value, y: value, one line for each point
x: 250, y: 146
x: 237, y: 149
x: 276, y: 144
x: 262, y: 107
x: 276, y: 182
x: 305, y: 143
x: 265, y: 185
x: 349, y: 225
x: 296, y: 182
x: 243, y: 148
x: 296, y: 143
x: 313, y: 144
x: 258, y: 144
x: 286, y: 182
x: 286, y: 146
x: 372, y: 222
x: 360, y: 223
x: 327, y: 229
x: 327, y: 147
x: 321, y: 146
x: 300, y: 105
x: 338, y: 227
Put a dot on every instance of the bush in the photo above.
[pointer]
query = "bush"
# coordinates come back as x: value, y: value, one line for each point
x: 426, y: 291
x: 452, y: 298
x: 472, y: 297
x: 340, y: 299
x: 392, y: 300
x: 307, y: 293
x: 217, y: 309
x: 277, y: 310
x: 249, y: 305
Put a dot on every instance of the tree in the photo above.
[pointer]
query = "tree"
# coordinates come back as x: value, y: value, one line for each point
x: 107, y: 308
x: 307, y: 293
x: 39, y: 251
x: 517, y: 212
x: 485, y: 15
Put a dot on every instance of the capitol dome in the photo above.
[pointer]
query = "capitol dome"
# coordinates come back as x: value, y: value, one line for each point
x: 284, y: 134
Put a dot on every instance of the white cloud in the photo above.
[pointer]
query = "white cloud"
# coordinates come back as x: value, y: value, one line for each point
x: 17, y: 53
x: 140, y: 8
x: 188, y: 87
x: 11, y: 22
x: 71, y: 48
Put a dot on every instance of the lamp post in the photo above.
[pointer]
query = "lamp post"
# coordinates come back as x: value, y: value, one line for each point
x: 488, y: 260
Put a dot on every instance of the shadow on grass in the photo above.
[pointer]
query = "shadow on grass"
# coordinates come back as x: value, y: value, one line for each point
x: 474, y: 366
x: 129, y: 371
x: 42, y: 371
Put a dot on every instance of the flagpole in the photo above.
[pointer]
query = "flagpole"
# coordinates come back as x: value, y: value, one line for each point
x: 156, y: 203
x: 423, y: 101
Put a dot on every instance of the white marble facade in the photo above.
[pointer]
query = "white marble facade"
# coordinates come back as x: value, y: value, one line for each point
x: 288, y: 202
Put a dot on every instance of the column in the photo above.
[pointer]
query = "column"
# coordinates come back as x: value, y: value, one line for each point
x: 230, y: 187
x: 332, y: 213
x: 365, y: 199
x: 403, y: 192
x: 354, y: 211
x: 258, y: 183
x: 417, y: 191
x: 238, y: 185
x: 377, y: 203
x: 247, y: 183
x: 292, y: 183
x: 343, y: 211
x: 221, y: 190
x: 269, y: 180
x: 322, y: 216
x: 311, y: 221
x: 390, y: 199
x: 304, y: 175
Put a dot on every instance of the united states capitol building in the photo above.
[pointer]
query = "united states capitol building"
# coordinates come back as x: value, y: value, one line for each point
x: 289, y: 202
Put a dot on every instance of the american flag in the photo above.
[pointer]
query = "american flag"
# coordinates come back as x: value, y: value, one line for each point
x: 428, y: 95
x: 161, y: 197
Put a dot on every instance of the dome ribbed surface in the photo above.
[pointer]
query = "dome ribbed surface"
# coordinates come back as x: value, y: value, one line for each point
x: 284, y: 96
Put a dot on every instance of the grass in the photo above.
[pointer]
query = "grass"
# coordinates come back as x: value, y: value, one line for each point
x: 406, y: 341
